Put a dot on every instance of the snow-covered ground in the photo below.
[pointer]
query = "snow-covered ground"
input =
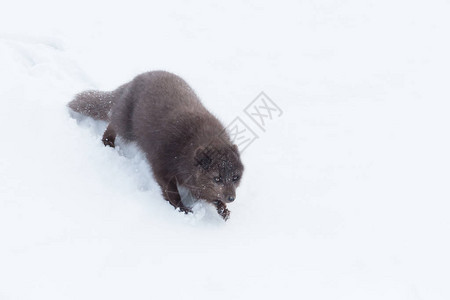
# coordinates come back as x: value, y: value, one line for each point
x: 345, y: 195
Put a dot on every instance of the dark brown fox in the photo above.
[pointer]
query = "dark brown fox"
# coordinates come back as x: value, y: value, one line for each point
x: 187, y: 147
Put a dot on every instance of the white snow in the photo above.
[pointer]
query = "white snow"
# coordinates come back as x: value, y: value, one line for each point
x: 345, y: 196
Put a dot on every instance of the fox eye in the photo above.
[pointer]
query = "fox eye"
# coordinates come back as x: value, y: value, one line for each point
x: 218, y: 179
x: 235, y: 178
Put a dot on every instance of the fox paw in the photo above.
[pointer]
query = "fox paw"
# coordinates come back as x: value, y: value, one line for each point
x: 184, y: 209
x: 224, y: 213
x: 108, y: 142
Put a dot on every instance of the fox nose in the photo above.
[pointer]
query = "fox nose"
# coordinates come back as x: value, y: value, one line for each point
x: 230, y: 198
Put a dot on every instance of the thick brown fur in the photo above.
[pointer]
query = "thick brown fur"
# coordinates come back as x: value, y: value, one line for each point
x: 184, y: 143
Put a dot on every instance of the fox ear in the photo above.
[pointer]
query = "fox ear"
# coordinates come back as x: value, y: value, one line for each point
x: 202, y: 158
x: 235, y: 148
